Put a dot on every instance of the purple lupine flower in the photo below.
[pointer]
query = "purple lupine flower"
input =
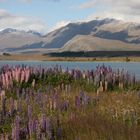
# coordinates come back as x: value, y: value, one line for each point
x: 96, y: 79
x: 133, y: 79
x: 17, y: 92
x: 29, y: 112
x: 59, y: 133
x: 11, y: 103
x: 27, y: 99
x: 30, y: 126
x: 4, y: 107
x: 23, y: 92
x: 81, y: 96
x: 49, y: 129
x: 77, y: 101
x: 36, y: 127
x: 15, y: 129
x: 19, y: 105
x: 86, y: 100
x: 43, y: 122
x: 64, y: 105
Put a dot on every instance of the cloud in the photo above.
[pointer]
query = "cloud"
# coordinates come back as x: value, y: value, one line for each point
x: 8, y: 20
x: 86, y: 5
x: 28, y: 1
x: 122, y: 9
x: 34, y: 0
x: 59, y: 25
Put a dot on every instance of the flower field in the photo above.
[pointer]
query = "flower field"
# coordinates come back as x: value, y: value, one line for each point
x: 39, y: 103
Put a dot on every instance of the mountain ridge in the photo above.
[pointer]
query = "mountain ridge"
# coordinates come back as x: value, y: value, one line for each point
x: 107, y: 30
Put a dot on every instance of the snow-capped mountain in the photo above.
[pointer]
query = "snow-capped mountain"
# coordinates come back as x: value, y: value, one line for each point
x: 98, y: 34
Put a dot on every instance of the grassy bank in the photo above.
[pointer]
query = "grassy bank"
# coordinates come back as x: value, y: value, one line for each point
x: 113, y: 117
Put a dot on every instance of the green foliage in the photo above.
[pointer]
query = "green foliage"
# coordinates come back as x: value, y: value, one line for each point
x: 6, y: 126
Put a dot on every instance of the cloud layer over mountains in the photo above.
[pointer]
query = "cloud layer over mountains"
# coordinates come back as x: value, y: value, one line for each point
x: 8, y: 20
x: 128, y: 10
x: 123, y: 9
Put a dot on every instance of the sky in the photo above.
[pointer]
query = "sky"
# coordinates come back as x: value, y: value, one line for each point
x: 47, y: 15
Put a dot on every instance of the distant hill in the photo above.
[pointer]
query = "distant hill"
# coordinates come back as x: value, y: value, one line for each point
x: 11, y: 39
x: 91, y: 43
x: 97, y: 35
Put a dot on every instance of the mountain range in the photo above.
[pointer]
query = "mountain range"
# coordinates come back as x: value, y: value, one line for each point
x: 96, y: 35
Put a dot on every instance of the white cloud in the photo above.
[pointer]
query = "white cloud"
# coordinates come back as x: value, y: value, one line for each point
x: 28, y: 1
x: 8, y: 20
x: 59, y: 25
x: 122, y: 9
x: 3, y: 0
x: 87, y: 4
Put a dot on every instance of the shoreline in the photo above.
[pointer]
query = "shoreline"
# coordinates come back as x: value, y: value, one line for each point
x: 41, y: 57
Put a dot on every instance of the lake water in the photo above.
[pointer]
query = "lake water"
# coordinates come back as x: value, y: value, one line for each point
x: 132, y: 67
